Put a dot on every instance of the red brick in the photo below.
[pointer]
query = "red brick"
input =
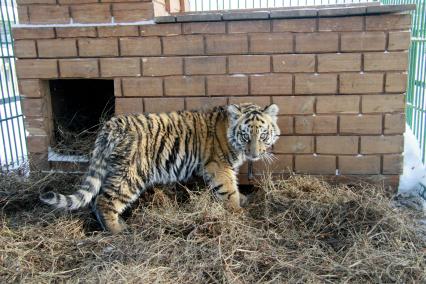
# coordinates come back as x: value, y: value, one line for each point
x: 337, y: 144
x: 339, y: 62
x: 141, y: 87
x: 388, y: 22
x: 382, y: 144
x: 34, y: 107
x: 394, y: 123
x: 361, y: 124
x: 161, y: 29
x: 132, y: 12
x: 396, y: 83
x: 383, y: 103
x: 294, y: 25
x: 162, y: 66
x: 387, y: 61
x: 341, y: 24
x: 23, y: 14
x: 359, y: 165
x: 294, y: 144
x: 249, y: 64
x: 37, y: 68
x: 363, y: 41
x: 223, y: 85
x: 91, y: 13
x: 118, y: 31
x: 226, y: 44
x: 285, y: 123
x: 204, y: 28
x: 203, y: 65
x: 75, y: 32
x: 70, y: 2
x: 294, y: 105
x: 317, y: 42
x: 137, y: 46
x: 33, y: 33
x: 338, y: 104
x: 53, y: 48
x: 315, y: 164
x: 392, y: 164
x: 399, y: 40
x: 79, y: 68
x: 205, y: 103
x: 128, y: 105
x: 111, y: 67
x: 37, y: 143
x: 271, y: 84
x: 271, y: 42
x: 260, y: 101
x: 361, y: 83
x: 157, y: 105
x: 25, y: 49
x: 294, y: 63
x: 316, y: 84
x: 184, y: 86
x: 183, y: 45
x: 249, y: 26
x: 30, y: 88
x: 316, y: 124
x: 49, y: 14
x: 98, y: 47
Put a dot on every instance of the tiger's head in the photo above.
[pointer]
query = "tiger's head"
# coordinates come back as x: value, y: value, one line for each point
x: 252, y: 129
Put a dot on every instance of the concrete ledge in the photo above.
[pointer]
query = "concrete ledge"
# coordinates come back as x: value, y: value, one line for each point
x: 287, y: 13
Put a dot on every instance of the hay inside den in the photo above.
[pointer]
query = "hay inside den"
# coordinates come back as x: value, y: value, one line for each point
x: 294, y: 230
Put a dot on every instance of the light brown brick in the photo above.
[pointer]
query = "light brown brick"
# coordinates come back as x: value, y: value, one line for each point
x: 341, y: 24
x: 295, y: 105
x: 128, y: 105
x: 142, y: 87
x: 361, y: 83
x: 249, y: 64
x: 383, y: 103
x: 204, y: 28
x: 30, y: 88
x: 271, y: 42
x: 323, y: 124
x: 316, y: 84
x: 249, y: 26
x: 271, y: 84
x: 399, y: 40
x: 285, y: 123
x: 25, y: 49
x: 396, y: 83
x: 79, y: 68
x: 203, y: 65
x: 64, y: 32
x: 338, y: 104
x: 94, y: 47
x: 389, y: 61
x: 111, y: 67
x: 363, y: 41
x: 32, y: 33
x: 339, y: 62
x: 117, y: 87
x: 224, y: 85
x: 91, y: 13
x: 34, y: 107
x: 317, y: 42
x: 361, y: 124
x: 184, y: 86
x: 23, y: 14
x: 49, y: 14
x: 382, y: 144
x: 36, y: 124
x: 388, y: 22
x: 294, y: 63
x: 226, y: 44
x: 108, y: 31
x: 140, y: 46
x: 37, y: 68
x: 183, y: 45
x: 294, y: 144
x: 53, y: 48
x: 337, y: 144
x: 132, y: 12
x: 392, y: 164
x: 162, y: 66
x: 261, y: 101
x: 315, y: 164
x: 294, y: 25
x: 394, y: 123
x: 37, y: 143
x: 68, y: 2
x: 205, y: 103
x: 359, y: 165
x: 157, y: 105
x: 161, y: 29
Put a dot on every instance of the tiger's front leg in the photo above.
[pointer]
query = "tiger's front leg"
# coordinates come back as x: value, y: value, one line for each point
x: 223, y: 182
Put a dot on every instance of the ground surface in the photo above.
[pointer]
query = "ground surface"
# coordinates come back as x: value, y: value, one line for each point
x: 298, y: 230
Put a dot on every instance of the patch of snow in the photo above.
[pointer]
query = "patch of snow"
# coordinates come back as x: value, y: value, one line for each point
x: 53, y: 156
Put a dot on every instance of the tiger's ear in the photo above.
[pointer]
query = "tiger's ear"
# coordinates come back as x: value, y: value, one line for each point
x: 234, y: 111
x: 272, y: 110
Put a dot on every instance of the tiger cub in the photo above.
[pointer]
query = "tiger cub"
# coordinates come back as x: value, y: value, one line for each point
x: 133, y: 152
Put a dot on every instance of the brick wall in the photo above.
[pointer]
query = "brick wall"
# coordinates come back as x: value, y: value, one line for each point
x: 339, y: 81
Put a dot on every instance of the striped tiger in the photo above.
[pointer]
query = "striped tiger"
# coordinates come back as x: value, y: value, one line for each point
x: 133, y: 152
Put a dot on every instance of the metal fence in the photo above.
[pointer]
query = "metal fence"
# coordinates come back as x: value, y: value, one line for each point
x: 13, y: 149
